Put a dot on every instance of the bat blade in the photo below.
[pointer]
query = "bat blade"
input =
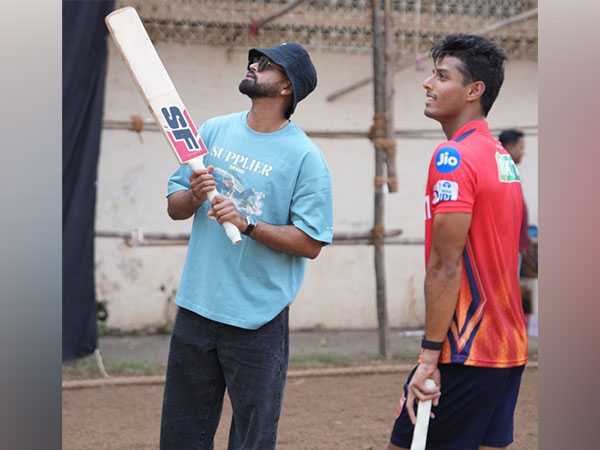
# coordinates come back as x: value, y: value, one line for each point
x: 419, y: 439
x: 157, y: 88
x: 155, y: 84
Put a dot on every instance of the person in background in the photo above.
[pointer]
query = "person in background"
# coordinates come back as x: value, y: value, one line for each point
x: 513, y: 141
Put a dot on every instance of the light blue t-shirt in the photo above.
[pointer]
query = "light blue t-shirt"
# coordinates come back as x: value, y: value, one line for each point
x: 280, y: 178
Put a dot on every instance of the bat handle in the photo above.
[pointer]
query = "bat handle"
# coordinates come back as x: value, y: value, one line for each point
x: 231, y: 230
x: 423, y: 412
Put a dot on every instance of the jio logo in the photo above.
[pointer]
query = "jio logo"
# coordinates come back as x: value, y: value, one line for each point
x: 447, y: 159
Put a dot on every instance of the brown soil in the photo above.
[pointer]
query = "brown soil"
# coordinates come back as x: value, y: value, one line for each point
x: 322, y: 413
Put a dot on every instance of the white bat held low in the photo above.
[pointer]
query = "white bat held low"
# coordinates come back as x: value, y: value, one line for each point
x: 423, y: 412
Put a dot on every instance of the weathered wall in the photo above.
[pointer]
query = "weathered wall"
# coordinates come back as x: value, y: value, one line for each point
x: 339, y: 291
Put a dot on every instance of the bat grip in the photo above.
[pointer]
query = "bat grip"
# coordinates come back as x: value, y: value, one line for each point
x: 232, y: 232
x: 423, y: 411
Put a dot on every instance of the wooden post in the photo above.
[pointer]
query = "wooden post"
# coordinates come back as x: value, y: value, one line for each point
x: 389, y: 53
x: 380, y: 179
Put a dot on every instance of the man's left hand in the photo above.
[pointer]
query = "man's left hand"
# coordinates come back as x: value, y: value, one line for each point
x: 224, y: 210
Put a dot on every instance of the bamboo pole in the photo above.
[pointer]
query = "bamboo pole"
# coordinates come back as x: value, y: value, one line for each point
x: 392, y: 180
x: 415, y: 133
x: 139, y: 238
x: 417, y: 27
x: 379, y: 206
x: 345, y: 242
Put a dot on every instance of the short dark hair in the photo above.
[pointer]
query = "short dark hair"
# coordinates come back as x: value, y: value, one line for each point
x: 482, y: 60
x: 510, y: 136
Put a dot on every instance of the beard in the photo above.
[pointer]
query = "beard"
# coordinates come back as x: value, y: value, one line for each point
x: 252, y: 89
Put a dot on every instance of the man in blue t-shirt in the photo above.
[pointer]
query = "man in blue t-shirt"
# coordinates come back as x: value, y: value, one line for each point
x: 231, y: 330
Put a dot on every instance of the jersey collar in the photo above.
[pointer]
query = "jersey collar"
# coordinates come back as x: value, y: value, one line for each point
x: 479, y: 125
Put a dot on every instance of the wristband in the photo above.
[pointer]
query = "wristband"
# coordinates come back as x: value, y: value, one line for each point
x: 431, y: 345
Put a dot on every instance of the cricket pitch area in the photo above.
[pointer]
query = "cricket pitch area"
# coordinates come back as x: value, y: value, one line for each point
x: 319, y: 413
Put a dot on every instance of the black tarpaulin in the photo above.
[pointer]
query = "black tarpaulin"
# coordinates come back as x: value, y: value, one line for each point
x: 84, y: 47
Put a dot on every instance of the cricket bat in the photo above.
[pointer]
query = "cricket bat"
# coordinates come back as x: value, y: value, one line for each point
x: 160, y: 94
x: 423, y: 412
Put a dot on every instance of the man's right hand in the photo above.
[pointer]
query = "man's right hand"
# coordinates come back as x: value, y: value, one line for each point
x: 201, y: 183
x: 427, y: 368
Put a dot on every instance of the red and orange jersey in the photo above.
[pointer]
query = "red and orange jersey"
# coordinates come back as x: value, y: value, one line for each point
x: 473, y: 173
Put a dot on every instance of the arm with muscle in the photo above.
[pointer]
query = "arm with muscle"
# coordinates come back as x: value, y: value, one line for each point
x: 183, y: 204
x: 442, y: 283
x: 287, y: 239
x: 443, y: 275
x: 283, y: 238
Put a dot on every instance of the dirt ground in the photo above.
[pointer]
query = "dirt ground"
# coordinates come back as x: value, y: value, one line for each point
x: 322, y: 413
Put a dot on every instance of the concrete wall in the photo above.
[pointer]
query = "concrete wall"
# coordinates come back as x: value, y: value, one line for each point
x: 339, y: 290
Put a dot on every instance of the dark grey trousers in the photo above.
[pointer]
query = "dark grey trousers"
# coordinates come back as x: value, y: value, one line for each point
x: 207, y: 357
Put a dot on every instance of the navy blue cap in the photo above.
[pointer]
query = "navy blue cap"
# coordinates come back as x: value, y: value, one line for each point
x: 296, y: 63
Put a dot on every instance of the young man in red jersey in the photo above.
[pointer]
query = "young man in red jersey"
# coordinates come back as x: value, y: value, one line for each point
x: 475, y: 344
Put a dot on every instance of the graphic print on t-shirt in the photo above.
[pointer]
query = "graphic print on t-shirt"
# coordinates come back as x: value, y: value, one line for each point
x: 248, y: 200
